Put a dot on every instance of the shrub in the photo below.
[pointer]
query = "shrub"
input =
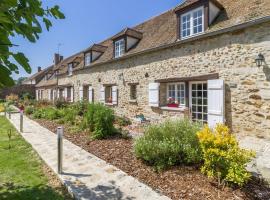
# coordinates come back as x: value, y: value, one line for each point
x: 2, y: 108
x: 122, y: 121
x: 51, y: 113
x: 60, y: 104
x: 80, y: 107
x: 69, y: 115
x: 12, y: 98
x: 39, y: 113
x: 169, y: 143
x: 223, y: 158
x: 29, y: 110
x: 99, y: 119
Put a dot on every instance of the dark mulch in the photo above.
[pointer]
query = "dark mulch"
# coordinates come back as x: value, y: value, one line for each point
x: 180, y: 182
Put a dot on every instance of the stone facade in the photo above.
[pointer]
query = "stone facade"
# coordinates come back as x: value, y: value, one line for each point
x: 231, y: 55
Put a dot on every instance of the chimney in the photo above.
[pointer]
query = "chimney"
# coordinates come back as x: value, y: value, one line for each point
x: 61, y: 58
x: 56, y: 58
x: 39, y: 69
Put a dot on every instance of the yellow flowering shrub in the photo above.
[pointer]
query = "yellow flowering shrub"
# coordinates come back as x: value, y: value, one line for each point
x: 223, y: 158
x: 2, y: 108
x: 12, y: 98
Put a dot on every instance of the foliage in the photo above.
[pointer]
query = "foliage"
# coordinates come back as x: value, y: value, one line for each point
x: 20, y: 80
x: 49, y: 113
x: 21, y: 170
x: 12, y: 98
x: 122, y: 121
x: 42, y: 103
x: 169, y: 143
x: 60, y: 104
x: 80, y: 107
x: 29, y: 110
x: 223, y: 158
x: 20, y: 17
x: 99, y: 119
x: 2, y: 108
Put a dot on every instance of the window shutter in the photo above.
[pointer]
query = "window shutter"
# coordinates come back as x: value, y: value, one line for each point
x: 216, y: 102
x: 154, y: 94
x: 90, y: 94
x: 102, y: 94
x: 71, y: 94
x: 81, y: 93
x: 37, y: 95
x: 58, y: 93
x: 114, y: 95
x: 49, y: 94
x: 65, y: 93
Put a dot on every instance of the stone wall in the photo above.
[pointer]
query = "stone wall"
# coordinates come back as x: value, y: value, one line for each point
x: 231, y: 55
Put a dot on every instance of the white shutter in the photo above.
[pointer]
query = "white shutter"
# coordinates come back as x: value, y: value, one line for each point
x: 216, y: 102
x: 90, y: 94
x: 58, y: 93
x: 53, y: 91
x: 154, y: 94
x: 49, y: 94
x: 71, y: 94
x: 114, y: 95
x: 65, y: 93
x: 36, y: 94
x: 81, y: 93
x: 102, y: 94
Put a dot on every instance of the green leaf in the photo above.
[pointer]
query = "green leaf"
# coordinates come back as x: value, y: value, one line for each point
x: 23, y: 61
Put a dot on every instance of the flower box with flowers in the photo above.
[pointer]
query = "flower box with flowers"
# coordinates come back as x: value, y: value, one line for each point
x: 172, y: 103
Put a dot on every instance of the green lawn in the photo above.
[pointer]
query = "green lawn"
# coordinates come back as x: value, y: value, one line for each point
x: 21, y: 174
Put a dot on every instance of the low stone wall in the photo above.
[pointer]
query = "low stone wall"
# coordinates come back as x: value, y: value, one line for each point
x: 18, y: 90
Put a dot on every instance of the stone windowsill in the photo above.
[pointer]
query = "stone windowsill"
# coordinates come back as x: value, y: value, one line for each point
x: 109, y: 104
x: 132, y: 101
x: 179, y: 109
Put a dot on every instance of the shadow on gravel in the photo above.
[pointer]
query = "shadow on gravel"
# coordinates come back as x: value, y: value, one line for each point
x: 100, y: 192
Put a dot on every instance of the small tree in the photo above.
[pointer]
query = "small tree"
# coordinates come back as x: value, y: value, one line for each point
x: 21, y: 17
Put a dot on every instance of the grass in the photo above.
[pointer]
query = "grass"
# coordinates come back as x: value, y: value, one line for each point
x: 21, y: 174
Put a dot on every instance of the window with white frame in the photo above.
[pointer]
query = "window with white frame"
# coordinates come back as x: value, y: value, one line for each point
x: 87, y: 59
x: 176, y: 94
x: 70, y: 69
x: 119, y: 48
x: 192, y: 23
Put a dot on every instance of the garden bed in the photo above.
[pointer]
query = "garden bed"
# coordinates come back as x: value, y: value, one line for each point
x: 180, y: 182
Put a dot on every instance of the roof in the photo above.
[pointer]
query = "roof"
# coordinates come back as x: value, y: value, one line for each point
x: 38, y: 74
x: 47, y: 83
x: 161, y: 30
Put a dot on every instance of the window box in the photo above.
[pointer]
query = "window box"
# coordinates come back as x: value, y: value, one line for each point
x: 173, y: 105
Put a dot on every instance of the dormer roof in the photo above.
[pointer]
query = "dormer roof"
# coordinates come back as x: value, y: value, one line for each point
x: 97, y: 48
x: 128, y: 32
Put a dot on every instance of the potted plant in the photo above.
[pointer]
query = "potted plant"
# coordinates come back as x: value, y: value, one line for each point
x: 172, y: 103
x: 109, y: 100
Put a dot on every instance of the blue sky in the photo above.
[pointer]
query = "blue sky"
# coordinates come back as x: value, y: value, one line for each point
x: 87, y: 22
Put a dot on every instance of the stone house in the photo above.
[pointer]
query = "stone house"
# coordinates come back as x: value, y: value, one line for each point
x: 205, y: 59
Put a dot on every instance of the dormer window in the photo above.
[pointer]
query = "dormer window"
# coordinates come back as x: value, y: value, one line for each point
x: 93, y: 53
x: 119, y: 48
x: 126, y: 40
x: 192, y: 23
x: 87, y: 59
x: 194, y: 17
x: 70, y: 69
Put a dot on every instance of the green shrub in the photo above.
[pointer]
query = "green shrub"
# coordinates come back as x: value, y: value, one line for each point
x: 223, y: 158
x: 99, y: 119
x: 39, y: 113
x: 52, y: 113
x: 69, y: 115
x: 169, y: 143
x: 59, y: 104
x: 122, y: 121
x: 80, y: 107
x: 29, y: 110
